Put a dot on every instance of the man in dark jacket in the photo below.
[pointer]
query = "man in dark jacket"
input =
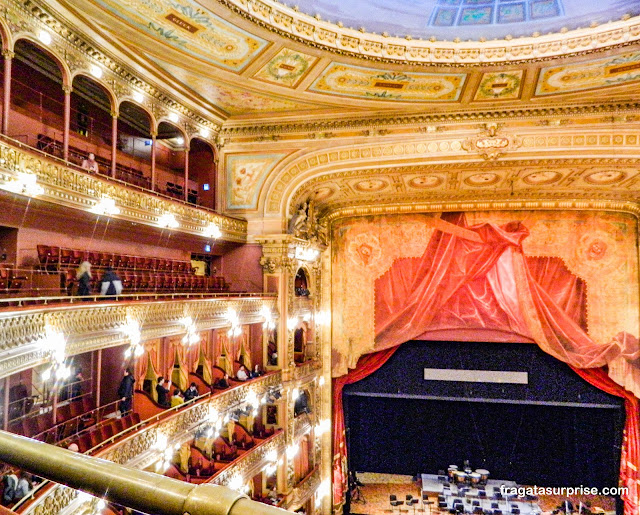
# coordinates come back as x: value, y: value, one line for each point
x: 111, y: 283
x: 125, y: 391
x: 163, y: 392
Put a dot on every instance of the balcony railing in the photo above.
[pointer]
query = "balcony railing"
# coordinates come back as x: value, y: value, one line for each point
x: 91, y: 326
x: 66, y: 185
x: 135, y: 446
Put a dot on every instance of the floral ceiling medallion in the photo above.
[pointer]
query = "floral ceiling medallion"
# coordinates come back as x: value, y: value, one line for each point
x: 491, y: 143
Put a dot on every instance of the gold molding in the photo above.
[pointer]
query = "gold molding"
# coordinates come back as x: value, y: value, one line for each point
x: 234, y: 130
x: 628, y: 207
x: 430, y: 151
x: 79, y: 190
x: 89, y: 327
x: 323, y: 35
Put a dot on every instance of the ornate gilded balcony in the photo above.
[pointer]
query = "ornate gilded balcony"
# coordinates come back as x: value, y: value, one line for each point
x: 65, y: 186
x: 92, y: 326
x: 138, y: 449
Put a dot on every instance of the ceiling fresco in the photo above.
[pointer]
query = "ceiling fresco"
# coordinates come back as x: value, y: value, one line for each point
x: 354, y: 81
x: 467, y: 19
x: 187, y: 26
x: 231, y: 99
x: 599, y: 73
x: 235, y: 68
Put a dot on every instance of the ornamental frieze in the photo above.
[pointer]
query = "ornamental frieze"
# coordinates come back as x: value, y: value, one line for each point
x: 99, y: 326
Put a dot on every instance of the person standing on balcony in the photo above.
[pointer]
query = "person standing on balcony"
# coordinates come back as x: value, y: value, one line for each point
x: 125, y: 391
x: 83, y: 276
x: 111, y: 283
x: 90, y: 164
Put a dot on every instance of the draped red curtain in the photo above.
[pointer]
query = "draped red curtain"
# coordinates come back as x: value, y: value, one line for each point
x: 474, y: 282
x: 630, y: 458
x: 367, y: 365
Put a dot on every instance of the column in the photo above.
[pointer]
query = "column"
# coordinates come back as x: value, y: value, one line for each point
x: 5, y: 407
x: 186, y: 173
x: 153, y: 161
x: 114, y: 141
x: 67, y: 121
x: 6, y: 101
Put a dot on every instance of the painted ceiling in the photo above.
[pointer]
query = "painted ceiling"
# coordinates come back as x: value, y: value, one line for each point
x: 234, y: 68
x: 467, y: 19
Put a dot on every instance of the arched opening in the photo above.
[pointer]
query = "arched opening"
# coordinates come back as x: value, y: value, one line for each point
x: 202, y: 173
x: 170, y: 163
x: 301, y: 346
x: 301, y: 283
x: 91, y: 124
x: 135, y: 145
x: 37, y: 99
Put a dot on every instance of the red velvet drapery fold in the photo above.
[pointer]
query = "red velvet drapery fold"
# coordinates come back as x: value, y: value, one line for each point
x: 367, y: 365
x: 630, y: 458
x: 477, y: 278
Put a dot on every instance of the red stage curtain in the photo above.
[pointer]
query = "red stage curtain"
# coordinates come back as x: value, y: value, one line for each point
x: 630, y: 458
x: 366, y: 365
x: 472, y: 281
x: 478, y: 279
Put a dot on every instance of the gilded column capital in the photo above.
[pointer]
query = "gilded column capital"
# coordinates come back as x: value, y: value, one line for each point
x: 8, y: 54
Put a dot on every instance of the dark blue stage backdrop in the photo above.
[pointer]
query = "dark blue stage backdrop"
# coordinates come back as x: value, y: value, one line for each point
x: 557, y: 430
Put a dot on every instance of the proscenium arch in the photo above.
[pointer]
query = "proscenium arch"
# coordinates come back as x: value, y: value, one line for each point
x: 292, y: 173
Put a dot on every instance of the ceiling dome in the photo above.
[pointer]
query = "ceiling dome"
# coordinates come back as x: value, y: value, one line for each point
x: 467, y: 19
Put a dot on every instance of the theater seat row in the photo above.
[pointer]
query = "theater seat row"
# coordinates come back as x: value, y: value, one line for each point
x: 150, y: 282
x: 53, y: 258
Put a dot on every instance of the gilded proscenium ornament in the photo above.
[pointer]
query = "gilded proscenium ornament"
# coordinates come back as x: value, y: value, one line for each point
x: 491, y: 143
x: 89, y: 327
x: 79, y: 190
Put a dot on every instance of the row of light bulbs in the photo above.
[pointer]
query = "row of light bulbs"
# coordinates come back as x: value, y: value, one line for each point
x: 95, y: 70
x: 26, y: 183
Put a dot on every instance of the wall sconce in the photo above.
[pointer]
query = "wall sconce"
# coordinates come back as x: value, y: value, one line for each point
x: 44, y: 37
x: 132, y: 331
x: 168, y: 220
x: 269, y: 322
x: 55, y: 345
x: 212, y: 231
x: 138, y: 97
x: 105, y: 206
x: 234, y: 320
x: 205, y: 133
x: 173, y: 117
x: 192, y: 337
x: 25, y: 184
x: 292, y: 323
x: 308, y: 254
x: 96, y: 71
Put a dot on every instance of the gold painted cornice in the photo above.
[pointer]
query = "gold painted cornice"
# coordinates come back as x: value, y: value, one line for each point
x: 89, y: 327
x: 632, y: 208
x: 323, y: 35
x: 78, y: 190
x: 234, y: 131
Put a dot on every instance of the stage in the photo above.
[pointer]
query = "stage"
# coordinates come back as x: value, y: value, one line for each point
x: 378, y: 487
